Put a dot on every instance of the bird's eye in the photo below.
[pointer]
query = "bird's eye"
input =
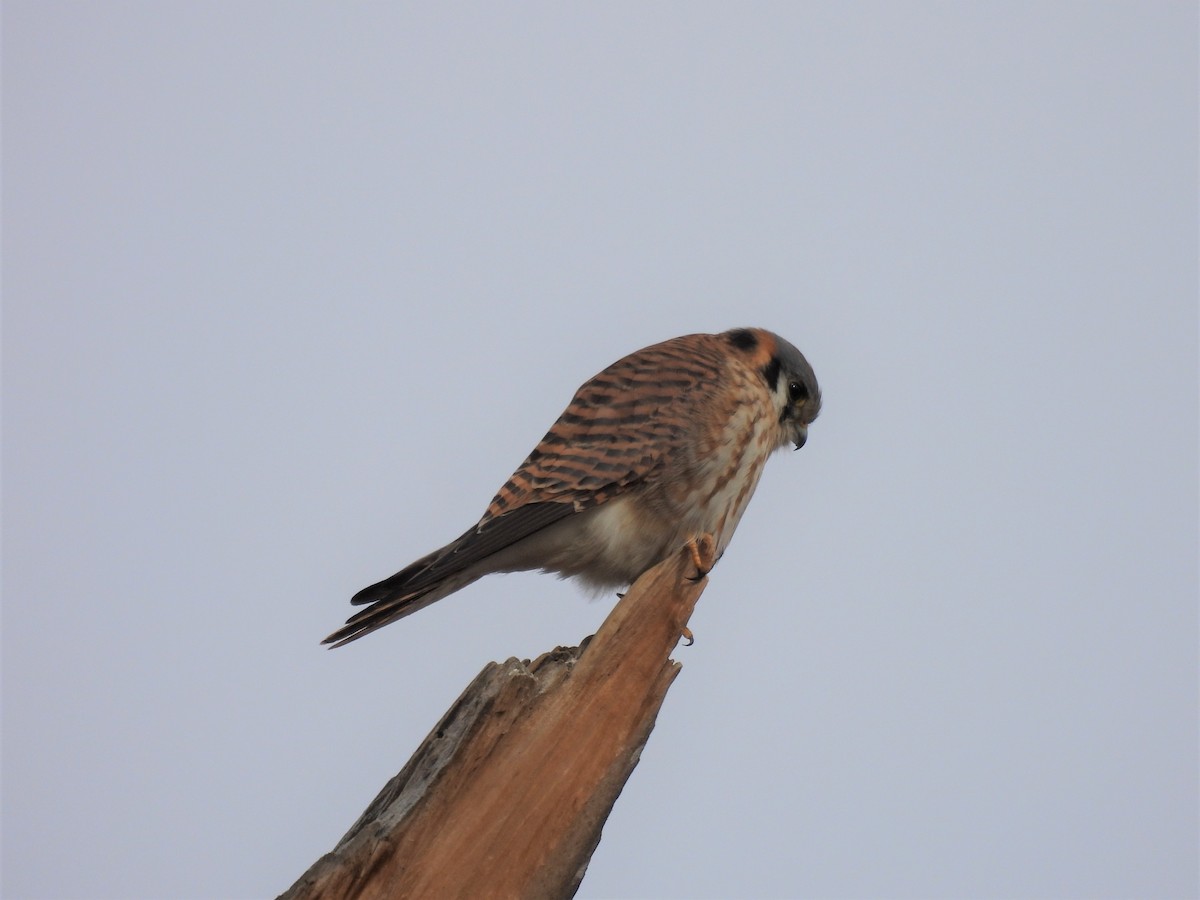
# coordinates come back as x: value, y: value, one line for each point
x: 797, y: 391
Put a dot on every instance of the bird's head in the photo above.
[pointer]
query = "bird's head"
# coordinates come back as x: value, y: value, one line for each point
x: 788, y: 377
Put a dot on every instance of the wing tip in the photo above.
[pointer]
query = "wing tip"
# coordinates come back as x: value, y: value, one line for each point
x: 351, y: 631
x: 386, y: 607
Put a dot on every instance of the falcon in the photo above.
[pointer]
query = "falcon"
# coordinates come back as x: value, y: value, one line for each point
x: 660, y: 448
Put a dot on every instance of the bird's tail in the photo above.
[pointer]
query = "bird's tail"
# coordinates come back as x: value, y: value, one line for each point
x: 491, y: 546
x: 389, y: 602
x: 426, y: 581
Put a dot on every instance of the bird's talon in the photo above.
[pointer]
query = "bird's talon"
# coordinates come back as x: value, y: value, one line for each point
x: 688, y: 636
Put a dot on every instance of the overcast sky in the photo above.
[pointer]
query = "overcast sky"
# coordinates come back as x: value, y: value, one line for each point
x: 290, y: 289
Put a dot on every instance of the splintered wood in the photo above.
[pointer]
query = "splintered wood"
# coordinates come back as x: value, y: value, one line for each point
x: 507, y: 796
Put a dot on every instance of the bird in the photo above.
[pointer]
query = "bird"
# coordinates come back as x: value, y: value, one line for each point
x: 658, y: 449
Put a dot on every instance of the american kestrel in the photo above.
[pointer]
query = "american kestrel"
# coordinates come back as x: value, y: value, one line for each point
x: 660, y: 448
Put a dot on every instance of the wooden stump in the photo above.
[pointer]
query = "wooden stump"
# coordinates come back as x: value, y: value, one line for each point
x: 507, y: 796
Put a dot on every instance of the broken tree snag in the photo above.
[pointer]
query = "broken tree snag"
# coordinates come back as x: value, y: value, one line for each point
x: 508, y: 794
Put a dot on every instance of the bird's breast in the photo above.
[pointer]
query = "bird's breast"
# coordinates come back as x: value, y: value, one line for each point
x: 726, y: 477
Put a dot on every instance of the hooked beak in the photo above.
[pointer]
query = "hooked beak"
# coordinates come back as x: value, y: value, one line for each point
x: 801, y: 437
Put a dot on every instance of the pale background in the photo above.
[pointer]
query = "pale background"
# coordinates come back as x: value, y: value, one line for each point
x: 290, y: 289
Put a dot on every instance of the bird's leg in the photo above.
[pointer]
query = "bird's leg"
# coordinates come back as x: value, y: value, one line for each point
x: 698, y: 549
x: 693, y: 548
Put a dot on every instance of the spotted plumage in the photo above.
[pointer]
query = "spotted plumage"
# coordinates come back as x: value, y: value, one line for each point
x: 661, y: 447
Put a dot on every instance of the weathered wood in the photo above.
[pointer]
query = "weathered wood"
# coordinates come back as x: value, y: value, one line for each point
x: 507, y: 796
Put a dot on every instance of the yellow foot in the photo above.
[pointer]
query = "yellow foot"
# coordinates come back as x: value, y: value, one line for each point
x: 698, y: 548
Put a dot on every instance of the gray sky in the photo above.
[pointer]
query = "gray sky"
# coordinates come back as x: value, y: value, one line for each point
x: 289, y: 290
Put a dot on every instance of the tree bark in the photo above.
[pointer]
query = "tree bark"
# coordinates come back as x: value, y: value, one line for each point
x: 508, y: 794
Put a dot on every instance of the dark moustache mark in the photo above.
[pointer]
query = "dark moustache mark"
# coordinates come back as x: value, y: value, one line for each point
x: 770, y: 372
